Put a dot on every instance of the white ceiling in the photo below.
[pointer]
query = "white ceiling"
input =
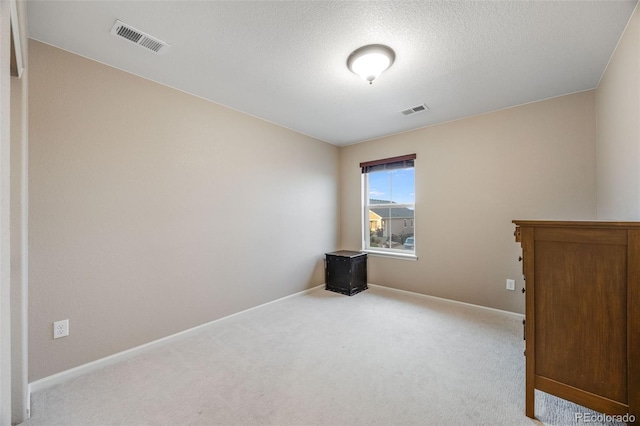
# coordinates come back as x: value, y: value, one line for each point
x: 285, y: 61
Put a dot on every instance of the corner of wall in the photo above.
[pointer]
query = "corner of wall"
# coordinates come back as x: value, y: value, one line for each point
x: 617, y: 129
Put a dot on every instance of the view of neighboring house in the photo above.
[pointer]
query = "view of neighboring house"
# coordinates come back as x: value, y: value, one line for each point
x: 391, y: 220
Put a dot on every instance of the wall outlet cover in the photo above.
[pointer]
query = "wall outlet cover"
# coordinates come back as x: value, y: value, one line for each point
x: 60, y: 329
x: 511, y: 284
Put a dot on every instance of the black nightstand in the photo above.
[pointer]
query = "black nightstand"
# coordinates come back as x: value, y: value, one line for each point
x: 346, y: 272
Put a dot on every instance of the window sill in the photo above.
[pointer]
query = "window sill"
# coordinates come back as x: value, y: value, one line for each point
x: 392, y: 255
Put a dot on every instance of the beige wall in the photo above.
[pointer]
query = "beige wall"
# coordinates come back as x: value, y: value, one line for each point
x: 618, y: 129
x: 137, y: 192
x: 473, y: 177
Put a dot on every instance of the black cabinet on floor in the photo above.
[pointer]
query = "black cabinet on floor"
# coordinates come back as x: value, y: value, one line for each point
x: 346, y: 272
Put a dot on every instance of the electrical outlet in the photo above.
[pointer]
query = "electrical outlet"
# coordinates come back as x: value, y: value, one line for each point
x: 511, y: 284
x: 60, y: 329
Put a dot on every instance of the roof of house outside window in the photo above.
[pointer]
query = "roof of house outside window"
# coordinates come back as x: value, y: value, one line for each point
x: 396, y: 212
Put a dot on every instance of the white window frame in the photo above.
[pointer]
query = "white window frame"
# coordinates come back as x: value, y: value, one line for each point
x: 366, y: 225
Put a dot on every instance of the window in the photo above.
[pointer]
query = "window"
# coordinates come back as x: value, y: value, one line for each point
x: 389, y: 205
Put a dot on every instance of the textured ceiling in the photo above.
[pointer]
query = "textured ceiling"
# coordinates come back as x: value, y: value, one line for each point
x: 285, y: 61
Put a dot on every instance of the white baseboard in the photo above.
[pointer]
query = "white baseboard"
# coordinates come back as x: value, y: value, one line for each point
x: 426, y: 296
x: 80, y: 370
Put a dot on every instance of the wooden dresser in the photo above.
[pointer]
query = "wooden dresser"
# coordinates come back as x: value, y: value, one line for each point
x: 582, y: 287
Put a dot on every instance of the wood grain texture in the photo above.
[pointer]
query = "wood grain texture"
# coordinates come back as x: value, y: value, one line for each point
x: 579, y: 396
x: 591, y: 224
x: 583, y: 312
x: 528, y: 258
x: 633, y: 321
x: 580, y: 311
x: 583, y: 236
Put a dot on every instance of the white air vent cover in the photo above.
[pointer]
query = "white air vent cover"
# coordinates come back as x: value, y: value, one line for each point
x: 125, y: 31
x: 419, y: 108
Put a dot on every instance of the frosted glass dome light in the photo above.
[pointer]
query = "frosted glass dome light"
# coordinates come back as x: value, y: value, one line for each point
x: 370, y: 61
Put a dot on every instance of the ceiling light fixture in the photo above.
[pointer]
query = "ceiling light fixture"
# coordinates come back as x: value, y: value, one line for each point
x: 370, y: 61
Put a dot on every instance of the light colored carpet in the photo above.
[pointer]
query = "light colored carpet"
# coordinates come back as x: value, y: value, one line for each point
x: 377, y: 358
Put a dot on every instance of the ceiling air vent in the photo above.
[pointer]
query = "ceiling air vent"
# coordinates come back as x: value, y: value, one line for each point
x: 419, y: 108
x: 138, y: 37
